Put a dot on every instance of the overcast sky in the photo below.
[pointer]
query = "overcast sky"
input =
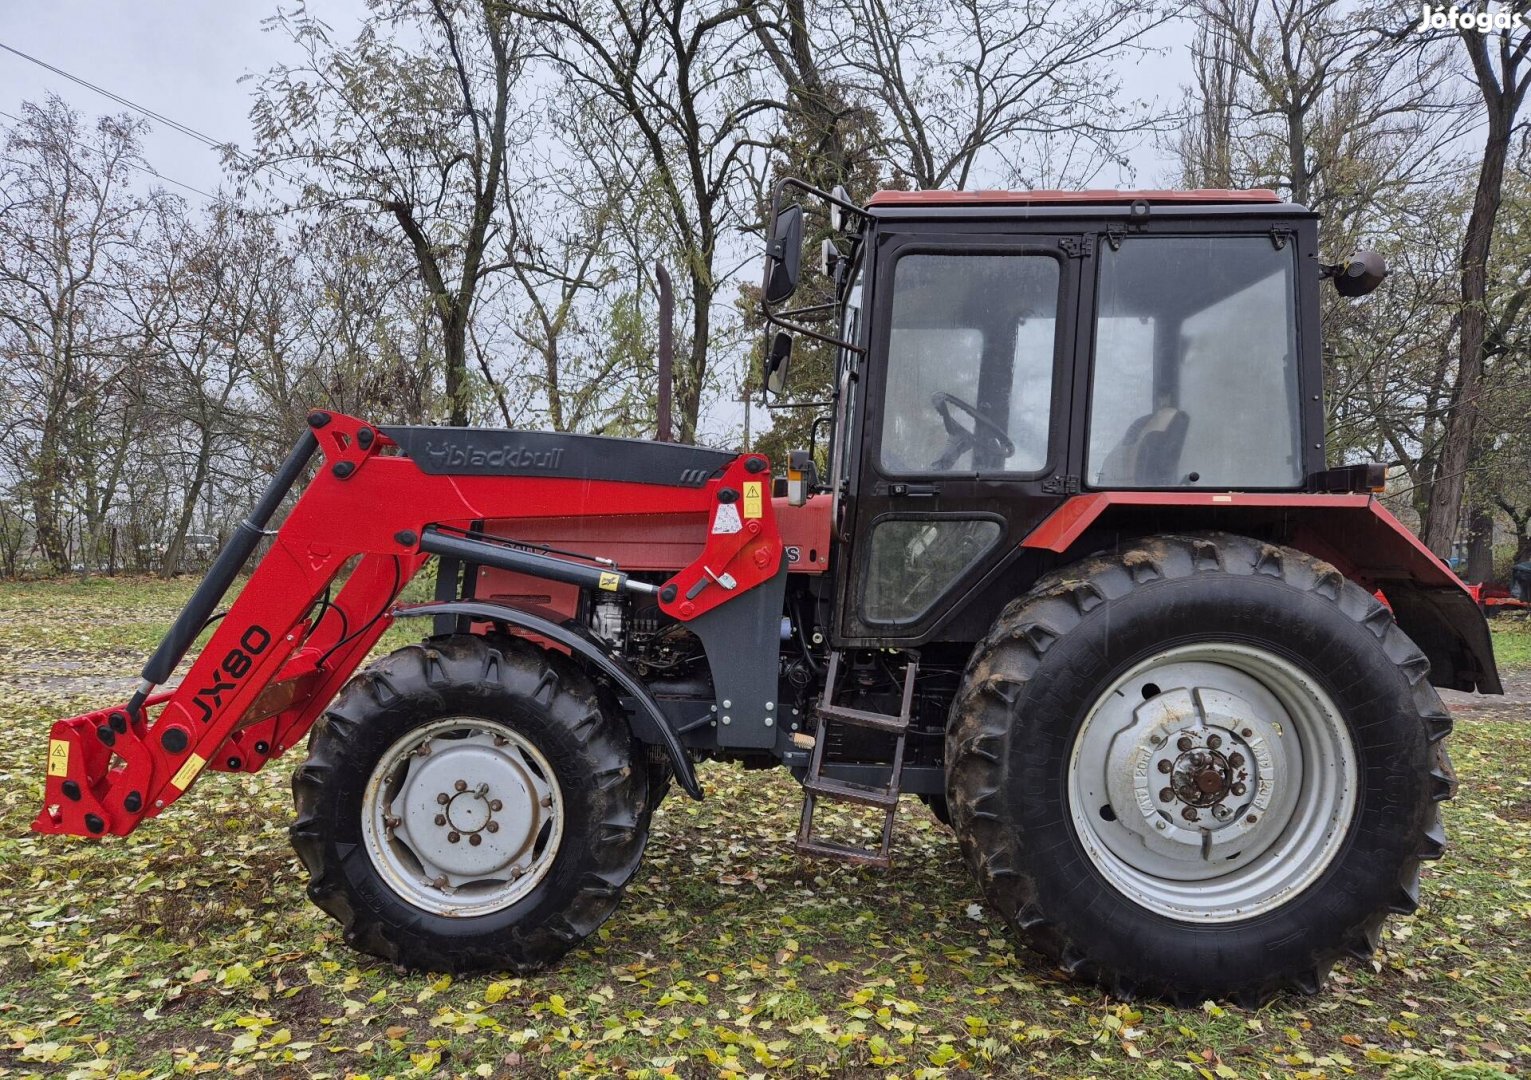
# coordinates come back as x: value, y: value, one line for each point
x: 184, y: 59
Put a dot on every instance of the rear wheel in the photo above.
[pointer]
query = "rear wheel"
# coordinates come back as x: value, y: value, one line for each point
x: 1206, y: 767
x: 470, y: 804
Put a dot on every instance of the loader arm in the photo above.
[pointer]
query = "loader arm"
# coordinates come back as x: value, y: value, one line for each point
x: 286, y: 646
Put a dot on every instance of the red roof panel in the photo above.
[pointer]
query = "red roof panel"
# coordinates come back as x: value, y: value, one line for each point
x: 1044, y: 198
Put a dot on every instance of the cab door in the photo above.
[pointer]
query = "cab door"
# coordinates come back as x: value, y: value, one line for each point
x: 966, y: 439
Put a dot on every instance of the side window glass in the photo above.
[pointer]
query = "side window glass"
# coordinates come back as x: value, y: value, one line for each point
x: 970, y: 364
x: 912, y: 562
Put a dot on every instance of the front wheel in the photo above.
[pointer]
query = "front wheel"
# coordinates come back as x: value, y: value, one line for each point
x: 470, y: 804
x: 1205, y: 767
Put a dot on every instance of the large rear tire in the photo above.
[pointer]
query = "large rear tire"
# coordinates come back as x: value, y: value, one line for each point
x: 470, y: 804
x: 1205, y: 767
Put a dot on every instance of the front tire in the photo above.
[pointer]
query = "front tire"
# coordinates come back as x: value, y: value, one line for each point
x: 1204, y: 767
x: 470, y: 804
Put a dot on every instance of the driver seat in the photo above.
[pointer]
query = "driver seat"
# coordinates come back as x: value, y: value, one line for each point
x: 1149, y: 453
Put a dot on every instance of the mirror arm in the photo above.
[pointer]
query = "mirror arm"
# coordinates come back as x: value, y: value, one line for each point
x: 776, y: 320
x: 797, y: 404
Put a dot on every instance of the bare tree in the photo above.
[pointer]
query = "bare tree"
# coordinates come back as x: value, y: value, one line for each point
x: 411, y: 120
x: 1502, y: 71
x: 669, y: 88
x: 1018, y: 93
x: 67, y: 234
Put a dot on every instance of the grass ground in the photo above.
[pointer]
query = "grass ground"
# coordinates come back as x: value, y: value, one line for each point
x: 190, y: 947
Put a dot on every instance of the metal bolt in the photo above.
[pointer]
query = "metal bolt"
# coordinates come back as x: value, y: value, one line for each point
x: 547, y: 801
x: 728, y: 719
x: 390, y: 821
x: 500, y: 740
x: 453, y: 836
x: 443, y: 798
x: 516, y: 873
x: 1247, y: 733
x: 1164, y: 765
x: 461, y: 785
x: 1214, y: 741
x: 1236, y: 759
x: 1221, y: 811
x: 1157, y: 739
x: 770, y: 706
x: 475, y: 839
x: 1166, y: 795
x: 1185, y: 742
x: 495, y: 804
x: 441, y: 819
x: 493, y: 826
x: 1251, y: 819
x: 1189, y: 813
x: 769, y: 721
x: 1159, y: 825
x: 1238, y: 789
x: 727, y: 704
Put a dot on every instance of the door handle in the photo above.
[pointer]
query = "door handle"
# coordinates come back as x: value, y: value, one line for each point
x: 913, y: 491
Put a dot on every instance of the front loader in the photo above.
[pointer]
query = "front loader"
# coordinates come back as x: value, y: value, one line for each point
x: 1073, y: 571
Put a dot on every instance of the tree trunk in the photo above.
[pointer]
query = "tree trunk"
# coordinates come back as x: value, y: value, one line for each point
x: 1480, y: 545
x: 454, y: 336
x: 1502, y: 100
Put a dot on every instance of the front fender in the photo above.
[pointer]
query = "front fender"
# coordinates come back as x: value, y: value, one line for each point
x: 586, y: 646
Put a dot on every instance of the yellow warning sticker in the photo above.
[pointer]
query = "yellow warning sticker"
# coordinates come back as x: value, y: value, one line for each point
x: 188, y: 772
x: 58, y: 757
x: 610, y: 582
x: 752, y: 493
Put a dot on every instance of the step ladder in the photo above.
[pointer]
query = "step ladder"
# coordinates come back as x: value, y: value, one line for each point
x: 817, y: 786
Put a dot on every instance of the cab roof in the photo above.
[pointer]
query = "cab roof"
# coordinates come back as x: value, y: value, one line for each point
x: 1103, y: 196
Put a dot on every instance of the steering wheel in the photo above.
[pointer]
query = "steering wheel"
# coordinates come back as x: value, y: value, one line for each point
x: 985, y: 434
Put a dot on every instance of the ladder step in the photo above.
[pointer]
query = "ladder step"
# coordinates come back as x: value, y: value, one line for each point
x: 856, y: 793
x: 860, y: 856
x: 894, y: 725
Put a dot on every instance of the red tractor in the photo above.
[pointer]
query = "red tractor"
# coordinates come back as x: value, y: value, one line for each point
x: 1076, y: 575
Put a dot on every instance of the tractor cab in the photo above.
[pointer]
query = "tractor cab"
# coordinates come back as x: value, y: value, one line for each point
x: 999, y: 352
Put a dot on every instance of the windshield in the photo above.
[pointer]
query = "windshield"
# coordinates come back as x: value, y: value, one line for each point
x: 1195, y: 376
x: 970, y: 362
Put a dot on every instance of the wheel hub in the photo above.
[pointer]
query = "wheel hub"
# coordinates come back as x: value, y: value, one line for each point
x: 1189, y: 797
x: 462, y: 813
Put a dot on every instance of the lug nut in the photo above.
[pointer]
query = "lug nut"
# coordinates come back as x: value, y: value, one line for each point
x: 461, y: 785
x: 1164, y: 765
x: 1236, y: 760
x: 453, y: 837
x: 1220, y: 810
x: 475, y: 839
x: 1214, y: 741
x: 443, y: 798
x: 1246, y: 733
x: 1189, y: 813
x: 441, y: 819
x: 1166, y: 795
x: 495, y: 804
x: 1238, y: 789
x: 493, y: 826
x: 1251, y: 819
x: 1185, y: 742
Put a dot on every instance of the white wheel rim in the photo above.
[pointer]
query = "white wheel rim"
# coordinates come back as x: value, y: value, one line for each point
x: 1212, y: 782
x: 463, y: 816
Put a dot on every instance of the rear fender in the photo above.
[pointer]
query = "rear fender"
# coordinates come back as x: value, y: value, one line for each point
x: 1354, y: 532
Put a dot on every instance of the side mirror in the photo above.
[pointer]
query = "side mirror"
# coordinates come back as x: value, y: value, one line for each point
x: 785, y: 255
x: 778, y: 360
x: 1359, y: 274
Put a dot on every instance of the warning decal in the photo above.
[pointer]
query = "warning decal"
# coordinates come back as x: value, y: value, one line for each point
x: 188, y: 772
x: 58, y: 757
x: 610, y: 582
x: 752, y: 493
x: 727, y: 520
